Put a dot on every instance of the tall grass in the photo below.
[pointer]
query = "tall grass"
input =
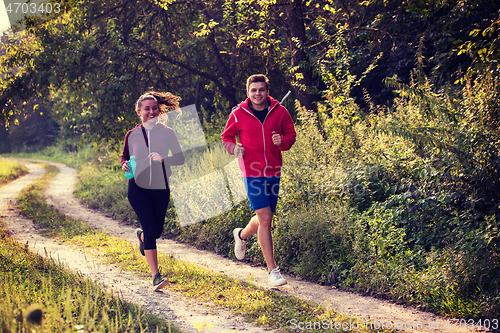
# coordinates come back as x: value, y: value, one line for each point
x: 383, y: 213
x: 10, y: 170
x: 262, y: 307
x: 37, y: 294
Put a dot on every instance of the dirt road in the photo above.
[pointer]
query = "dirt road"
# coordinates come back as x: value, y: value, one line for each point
x: 381, y: 314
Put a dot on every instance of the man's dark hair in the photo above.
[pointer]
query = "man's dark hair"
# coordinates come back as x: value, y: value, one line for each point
x: 258, y: 78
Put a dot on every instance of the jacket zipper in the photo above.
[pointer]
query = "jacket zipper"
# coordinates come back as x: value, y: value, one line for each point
x: 149, y: 150
x: 263, y: 136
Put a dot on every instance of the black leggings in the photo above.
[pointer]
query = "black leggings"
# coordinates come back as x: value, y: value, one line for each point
x: 150, y: 207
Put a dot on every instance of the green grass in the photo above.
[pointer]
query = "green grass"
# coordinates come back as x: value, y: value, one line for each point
x: 64, y: 152
x: 10, y: 170
x: 38, y: 294
x: 67, y: 302
x: 260, y: 306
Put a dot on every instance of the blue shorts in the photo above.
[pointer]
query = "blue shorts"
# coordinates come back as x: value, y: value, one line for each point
x: 262, y: 192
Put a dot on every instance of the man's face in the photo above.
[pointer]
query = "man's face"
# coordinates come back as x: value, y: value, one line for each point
x: 258, y: 94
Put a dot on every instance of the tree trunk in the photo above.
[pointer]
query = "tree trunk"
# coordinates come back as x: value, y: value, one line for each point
x: 302, y: 75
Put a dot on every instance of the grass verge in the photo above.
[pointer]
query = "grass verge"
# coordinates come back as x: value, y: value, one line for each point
x: 10, y: 170
x: 40, y: 295
x: 262, y: 307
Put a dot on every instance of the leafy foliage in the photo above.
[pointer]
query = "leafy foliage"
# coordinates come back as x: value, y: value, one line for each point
x: 391, y: 189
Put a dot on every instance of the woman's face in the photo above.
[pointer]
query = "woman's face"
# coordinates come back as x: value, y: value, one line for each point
x: 149, y: 110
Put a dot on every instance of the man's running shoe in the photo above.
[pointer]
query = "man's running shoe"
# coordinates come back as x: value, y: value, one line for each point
x: 275, y: 279
x: 240, y: 245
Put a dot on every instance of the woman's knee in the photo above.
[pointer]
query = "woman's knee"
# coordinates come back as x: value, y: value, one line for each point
x: 149, y: 244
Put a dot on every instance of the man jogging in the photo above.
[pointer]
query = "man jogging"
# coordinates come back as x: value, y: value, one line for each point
x: 264, y: 129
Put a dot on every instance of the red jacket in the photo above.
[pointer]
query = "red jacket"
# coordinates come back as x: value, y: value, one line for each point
x: 262, y: 158
x: 140, y: 143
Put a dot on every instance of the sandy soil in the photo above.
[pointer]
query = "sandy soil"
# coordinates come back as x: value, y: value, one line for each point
x: 170, y: 305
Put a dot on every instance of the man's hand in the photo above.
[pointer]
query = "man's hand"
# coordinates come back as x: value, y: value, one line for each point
x: 277, y: 139
x: 239, y: 151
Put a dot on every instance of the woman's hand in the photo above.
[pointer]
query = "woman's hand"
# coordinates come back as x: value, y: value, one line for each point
x: 156, y: 157
x: 125, y: 166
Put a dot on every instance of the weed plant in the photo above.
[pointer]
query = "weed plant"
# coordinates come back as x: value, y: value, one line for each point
x: 266, y: 308
x: 39, y: 295
x: 10, y: 170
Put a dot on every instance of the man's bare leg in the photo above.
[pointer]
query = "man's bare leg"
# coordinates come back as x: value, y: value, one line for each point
x: 260, y: 224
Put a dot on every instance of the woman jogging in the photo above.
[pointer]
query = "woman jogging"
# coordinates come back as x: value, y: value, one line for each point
x: 148, y: 192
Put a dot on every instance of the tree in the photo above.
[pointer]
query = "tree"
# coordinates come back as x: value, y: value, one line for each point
x: 301, y: 66
x: 107, y: 53
x: 104, y: 53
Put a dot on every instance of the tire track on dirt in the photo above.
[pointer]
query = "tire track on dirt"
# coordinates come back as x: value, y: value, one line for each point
x: 172, y: 306
x: 60, y: 194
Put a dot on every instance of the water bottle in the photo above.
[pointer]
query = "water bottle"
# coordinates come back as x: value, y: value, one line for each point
x: 131, y: 164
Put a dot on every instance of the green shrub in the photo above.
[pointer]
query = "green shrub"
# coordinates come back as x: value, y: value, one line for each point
x: 314, y: 240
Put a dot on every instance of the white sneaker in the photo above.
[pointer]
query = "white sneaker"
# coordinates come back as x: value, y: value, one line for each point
x: 140, y: 245
x: 275, y: 279
x: 240, y: 246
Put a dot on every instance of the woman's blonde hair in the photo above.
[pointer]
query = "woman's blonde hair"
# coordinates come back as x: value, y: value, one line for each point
x: 166, y: 102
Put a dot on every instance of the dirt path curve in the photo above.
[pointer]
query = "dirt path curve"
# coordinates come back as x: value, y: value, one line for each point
x: 184, y: 313
x: 379, y: 312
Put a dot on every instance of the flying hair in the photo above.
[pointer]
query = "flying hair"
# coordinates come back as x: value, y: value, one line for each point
x: 167, y: 102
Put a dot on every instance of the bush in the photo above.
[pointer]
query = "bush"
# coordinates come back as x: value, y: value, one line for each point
x: 314, y: 241
x: 401, y: 203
